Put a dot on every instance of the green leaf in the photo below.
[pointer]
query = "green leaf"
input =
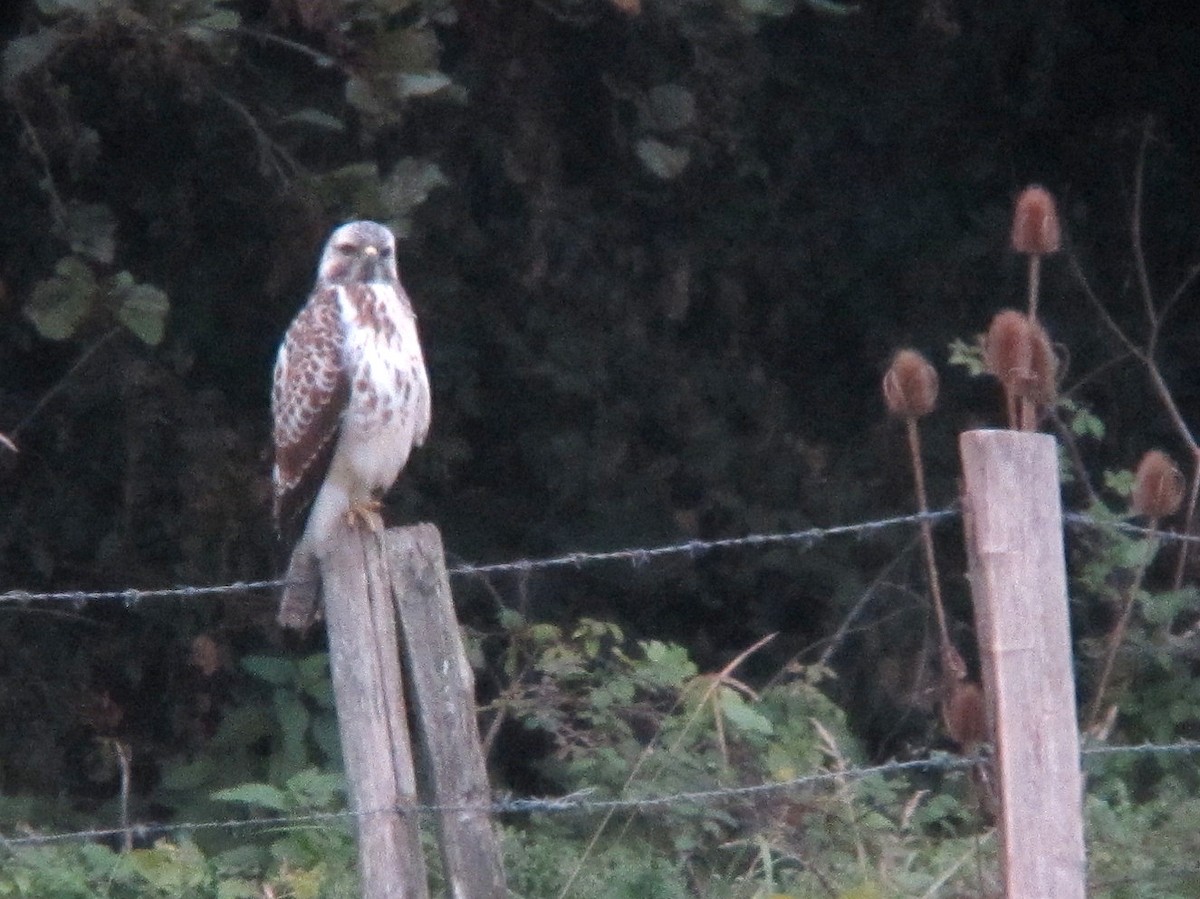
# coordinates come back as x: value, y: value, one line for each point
x: 175, y: 869
x: 23, y: 55
x: 59, y: 305
x: 237, y: 888
x: 142, y: 308
x: 407, y: 187
x: 54, y: 8
x: 188, y: 775
x: 316, y: 119
x: 262, y: 795
x: 741, y: 715
x: 669, y: 107
x: 668, y: 663
x: 293, y: 720
x: 968, y: 355
x: 214, y: 25
x: 272, y: 669
x: 421, y: 84
x: 1119, y: 482
x: 317, y: 789
x: 661, y: 159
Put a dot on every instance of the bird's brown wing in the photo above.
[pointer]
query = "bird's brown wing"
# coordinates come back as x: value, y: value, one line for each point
x: 309, y: 394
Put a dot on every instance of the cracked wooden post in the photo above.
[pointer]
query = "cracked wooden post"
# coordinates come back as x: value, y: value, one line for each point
x: 442, y: 687
x: 394, y: 639
x: 368, y: 689
x: 1013, y: 521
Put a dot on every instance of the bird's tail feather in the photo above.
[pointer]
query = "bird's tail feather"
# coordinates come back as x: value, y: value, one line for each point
x: 298, y: 606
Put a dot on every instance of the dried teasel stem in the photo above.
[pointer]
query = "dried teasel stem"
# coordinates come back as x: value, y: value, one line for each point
x: 910, y: 389
x: 1036, y: 232
x: 1008, y: 355
x: 1041, y: 388
x: 1158, y: 488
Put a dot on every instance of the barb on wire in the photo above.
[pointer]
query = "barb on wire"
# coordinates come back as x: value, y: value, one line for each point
x: 575, y: 802
x: 1079, y: 519
x: 635, y: 556
x: 580, y: 801
x: 131, y: 596
x: 694, y: 548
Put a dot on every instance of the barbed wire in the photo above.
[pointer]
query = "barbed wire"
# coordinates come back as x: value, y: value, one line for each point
x: 578, y: 801
x: 635, y: 556
x: 1079, y: 519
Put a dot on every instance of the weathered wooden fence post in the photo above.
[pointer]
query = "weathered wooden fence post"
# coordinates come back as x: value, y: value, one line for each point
x: 393, y: 636
x: 1013, y: 520
x: 368, y: 688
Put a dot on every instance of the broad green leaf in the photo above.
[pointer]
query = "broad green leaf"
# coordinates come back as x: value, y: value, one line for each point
x: 421, y: 84
x: 174, y: 868
x: 263, y: 795
x: 142, y: 308
x: 25, y: 54
x: 661, y: 159
x: 363, y: 97
x: 407, y: 187
x: 58, y: 305
x: 669, y: 107
x: 271, y: 669
x: 741, y: 715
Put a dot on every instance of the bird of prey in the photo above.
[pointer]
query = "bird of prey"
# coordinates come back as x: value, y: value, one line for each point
x: 350, y: 400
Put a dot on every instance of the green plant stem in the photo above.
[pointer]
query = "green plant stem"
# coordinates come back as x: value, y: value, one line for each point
x: 1118, y: 634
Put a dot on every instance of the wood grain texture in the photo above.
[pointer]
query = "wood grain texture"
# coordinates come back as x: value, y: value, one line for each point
x: 442, y: 687
x: 364, y: 661
x: 1013, y: 520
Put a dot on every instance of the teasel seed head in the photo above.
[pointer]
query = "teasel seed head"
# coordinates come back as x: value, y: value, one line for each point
x: 1008, y: 347
x: 1158, y: 486
x: 910, y: 386
x: 1019, y: 353
x: 1035, y: 229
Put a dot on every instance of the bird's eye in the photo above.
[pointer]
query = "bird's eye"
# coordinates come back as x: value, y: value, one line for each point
x: 345, y: 248
x: 385, y: 252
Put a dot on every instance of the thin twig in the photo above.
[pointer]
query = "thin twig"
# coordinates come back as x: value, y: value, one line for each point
x: 58, y: 388
x: 1135, y: 238
x: 1117, y: 637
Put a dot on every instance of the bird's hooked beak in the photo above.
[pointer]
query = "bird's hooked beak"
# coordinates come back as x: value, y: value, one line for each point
x: 371, y: 250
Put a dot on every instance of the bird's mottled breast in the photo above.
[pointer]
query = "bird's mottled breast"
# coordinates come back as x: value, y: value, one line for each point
x: 389, y: 387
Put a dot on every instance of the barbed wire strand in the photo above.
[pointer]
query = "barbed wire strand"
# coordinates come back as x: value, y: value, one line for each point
x: 579, y: 801
x: 635, y: 556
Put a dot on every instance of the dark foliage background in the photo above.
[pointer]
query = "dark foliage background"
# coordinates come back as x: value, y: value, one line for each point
x: 661, y: 254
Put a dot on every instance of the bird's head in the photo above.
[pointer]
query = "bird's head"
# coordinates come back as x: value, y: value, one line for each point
x: 359, y: 253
